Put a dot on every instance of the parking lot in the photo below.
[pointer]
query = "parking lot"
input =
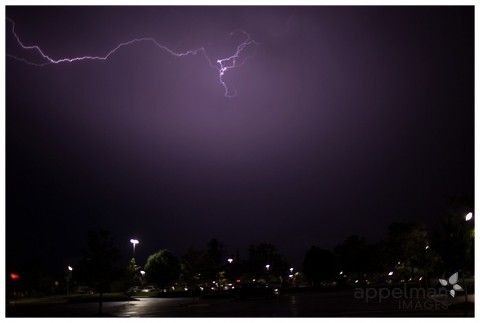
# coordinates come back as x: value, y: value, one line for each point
x: 332, y: 304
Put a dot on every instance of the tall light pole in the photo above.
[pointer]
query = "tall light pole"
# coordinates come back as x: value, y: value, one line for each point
x: 134, y: 242
x: 68, y: 277
x: 468, y: 218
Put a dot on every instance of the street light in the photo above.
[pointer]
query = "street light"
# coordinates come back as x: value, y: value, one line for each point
x: 134, y: 242
x: 230, y: 260
x: 68, y: 277
x: 267, y: 266
x: 469, y: 216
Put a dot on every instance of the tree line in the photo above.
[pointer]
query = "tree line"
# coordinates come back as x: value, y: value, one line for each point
x: 409, y: 254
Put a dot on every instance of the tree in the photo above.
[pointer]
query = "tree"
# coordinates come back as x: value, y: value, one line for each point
x: 202, y: 265
x: 162, y: 268
x: 456, y: 242
x: 378, y: 259
x: 99, y: 263
x: 259, y: 256
x: 191, y: 269
x: 213, y: 259
x: 354, y: 256
x: 408, y: 242
x: 319, y: 265
x: 131, y: 274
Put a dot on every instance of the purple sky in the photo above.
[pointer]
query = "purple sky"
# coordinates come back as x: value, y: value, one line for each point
x: 346, y: 120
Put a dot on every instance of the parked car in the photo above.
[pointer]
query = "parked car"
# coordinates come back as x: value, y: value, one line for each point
x: 133, y: 290
x: 149, y: 289
x: 84, y: 290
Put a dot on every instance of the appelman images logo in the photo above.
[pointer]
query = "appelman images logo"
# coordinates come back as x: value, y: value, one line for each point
x: 452, y: 281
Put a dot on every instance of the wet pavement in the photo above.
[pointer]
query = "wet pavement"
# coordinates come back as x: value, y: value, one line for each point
x: 332, y: 304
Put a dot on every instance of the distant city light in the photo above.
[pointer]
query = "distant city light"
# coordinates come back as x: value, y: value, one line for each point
x: 70, y: 268
x: 390, y: 273
x: 230, y: 260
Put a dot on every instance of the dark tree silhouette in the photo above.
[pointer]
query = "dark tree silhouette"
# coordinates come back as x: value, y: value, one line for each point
x: 213, y: 259
x: 259, y: 256
x: 162, y: 268
x: 456, y: 241
x: 191, y: 267
x: 202, y: 265
x: 353, y: 255
x: 319, y: 265
x: 408, y: 242
x: 99, y: 263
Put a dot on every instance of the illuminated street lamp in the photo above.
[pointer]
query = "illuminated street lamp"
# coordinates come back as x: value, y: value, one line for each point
x: 134, y: 242
x: 267, y: 266
x: 469, y: 216
x: 230, y: 260
x: 68, y: 277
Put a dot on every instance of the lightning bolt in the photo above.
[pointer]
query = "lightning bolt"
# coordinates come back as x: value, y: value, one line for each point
x: 222, y: 65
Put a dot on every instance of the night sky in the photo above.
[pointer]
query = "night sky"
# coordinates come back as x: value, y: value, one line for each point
x: 346, y: 119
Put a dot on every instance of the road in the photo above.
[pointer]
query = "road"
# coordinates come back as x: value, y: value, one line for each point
x: 334, y: 304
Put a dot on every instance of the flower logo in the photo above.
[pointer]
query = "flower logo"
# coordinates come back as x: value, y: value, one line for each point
x: 452, y: 281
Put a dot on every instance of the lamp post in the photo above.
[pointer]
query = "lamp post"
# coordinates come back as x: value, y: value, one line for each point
x: 134, y: 242
x: 69, y: 277
x: 468, y: 218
